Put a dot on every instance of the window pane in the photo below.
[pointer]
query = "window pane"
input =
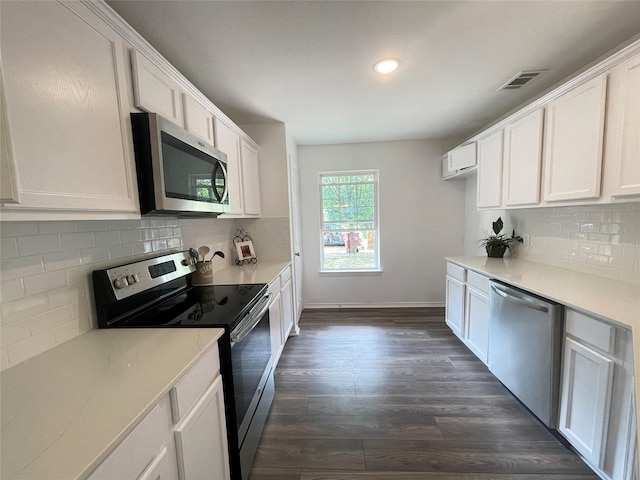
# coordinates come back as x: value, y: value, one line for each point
x: 349, y: 221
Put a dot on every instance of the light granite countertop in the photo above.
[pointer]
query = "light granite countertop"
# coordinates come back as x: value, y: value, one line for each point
x: 261, y: 272
x: 63, y: 411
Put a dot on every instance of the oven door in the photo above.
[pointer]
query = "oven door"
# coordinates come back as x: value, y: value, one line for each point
x: 251, y: 363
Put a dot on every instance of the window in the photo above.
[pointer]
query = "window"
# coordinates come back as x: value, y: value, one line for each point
x: 350, y: 240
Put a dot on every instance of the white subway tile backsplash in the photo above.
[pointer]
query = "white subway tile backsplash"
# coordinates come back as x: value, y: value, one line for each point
x: 11, y: 290
x: 119, y: 251
x: 9, y: 247
x: 45, y: 267
x: 92, y: 226
x: 111, y: 237
x: 61, y: 261
x: 599, y: 240
x: 37, y: 244
x: 94, y: 255
x: 118, y: 225
x: 18, y: 229
x: 131, y: 236
x: 44, y: 282
x: 77, y: 241
x: 45, y: 228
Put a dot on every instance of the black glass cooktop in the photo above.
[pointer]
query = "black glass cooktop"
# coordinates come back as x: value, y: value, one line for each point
x: 210, y: 306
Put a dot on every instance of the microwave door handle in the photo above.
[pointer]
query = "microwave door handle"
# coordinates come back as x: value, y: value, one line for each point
x: 214, y: 175
x: 226, y: 182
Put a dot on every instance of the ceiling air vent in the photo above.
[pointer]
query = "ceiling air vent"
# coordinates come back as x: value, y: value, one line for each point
x: 521, y: 79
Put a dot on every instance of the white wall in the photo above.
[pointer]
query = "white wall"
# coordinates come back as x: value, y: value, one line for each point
x: 421, y: 221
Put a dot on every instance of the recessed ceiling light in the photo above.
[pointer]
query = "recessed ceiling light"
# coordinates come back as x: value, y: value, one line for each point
x: 386, y: 65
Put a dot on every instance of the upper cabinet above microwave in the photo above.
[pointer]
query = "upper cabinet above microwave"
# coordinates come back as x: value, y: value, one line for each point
x: 70, y: 152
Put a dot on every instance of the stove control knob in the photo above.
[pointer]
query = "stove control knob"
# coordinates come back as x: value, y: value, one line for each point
x: 120, y: 282
x: 131, y: 279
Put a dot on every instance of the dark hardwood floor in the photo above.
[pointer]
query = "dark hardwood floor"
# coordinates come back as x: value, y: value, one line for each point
x: 392, y: 394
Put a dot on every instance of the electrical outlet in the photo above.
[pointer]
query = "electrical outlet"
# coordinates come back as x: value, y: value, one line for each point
x: 526, y: 240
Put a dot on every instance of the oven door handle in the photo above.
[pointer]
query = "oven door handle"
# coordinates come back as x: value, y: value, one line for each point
x: 251, y: 320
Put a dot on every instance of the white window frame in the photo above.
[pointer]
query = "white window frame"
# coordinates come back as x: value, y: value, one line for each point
x: 377, y: 268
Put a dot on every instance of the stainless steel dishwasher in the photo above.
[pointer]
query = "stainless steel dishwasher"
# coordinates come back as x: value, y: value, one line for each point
x: 525, y: 346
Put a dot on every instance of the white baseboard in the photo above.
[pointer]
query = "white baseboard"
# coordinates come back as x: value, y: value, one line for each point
x: 376, y: 305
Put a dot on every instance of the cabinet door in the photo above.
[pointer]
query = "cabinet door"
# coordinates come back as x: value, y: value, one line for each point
x: 477, y: 322
x: 197, y: 119
x: 201, y: 438
x: 626, y: 156
x: 584, y: 404
x: 455, y: 306
x: 228, y: 141
x: 147, y: 448
x: 522, y: 160
x: 286, y: 295
x: 275, y: 322
x: 490, y: 171
x: 574, y: 132
x: 462, y: 157
x: 66, y: 108
x: 154, y: 91
x: 250, y: 178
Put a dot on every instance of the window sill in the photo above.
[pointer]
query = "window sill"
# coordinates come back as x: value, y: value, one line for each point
x: 349, y: 273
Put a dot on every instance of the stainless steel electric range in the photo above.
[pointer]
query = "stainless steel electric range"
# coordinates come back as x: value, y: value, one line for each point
x: 156, y: 292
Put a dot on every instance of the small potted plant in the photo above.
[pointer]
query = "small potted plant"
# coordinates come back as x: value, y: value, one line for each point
x: 497, y: 244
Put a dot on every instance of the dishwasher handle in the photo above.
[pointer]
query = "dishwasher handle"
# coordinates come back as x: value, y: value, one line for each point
x: 520, y: 299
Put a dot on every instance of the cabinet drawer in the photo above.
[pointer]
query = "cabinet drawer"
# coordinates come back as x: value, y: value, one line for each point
x: 590, y: 330
x: 196, y: 381
x: 285, y: 275
x: 274, y: 287
x: 477, y: 281
x: 456, y: 271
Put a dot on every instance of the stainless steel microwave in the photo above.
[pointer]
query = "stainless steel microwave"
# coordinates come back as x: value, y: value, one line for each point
x: 177, y: 172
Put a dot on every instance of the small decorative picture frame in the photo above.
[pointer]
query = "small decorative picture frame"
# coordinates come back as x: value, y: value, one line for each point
x: 245, y: 250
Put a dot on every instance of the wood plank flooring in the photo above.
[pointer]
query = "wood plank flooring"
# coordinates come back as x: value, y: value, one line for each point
x: 392, y: 394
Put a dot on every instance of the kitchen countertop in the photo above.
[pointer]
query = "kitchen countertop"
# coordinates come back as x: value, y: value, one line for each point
x: 611, y: 300
x: 261, y: 272
x: 62, y: 412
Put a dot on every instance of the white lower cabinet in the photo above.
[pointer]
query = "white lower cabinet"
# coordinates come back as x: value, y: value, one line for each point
x: 184, y: 437
x: 597, y: 407
x: 454, y: 313
x: 477, y: 315
x: 280, y: 312
x: 467, y: 308
x: 148, y: 447
x: 201, y: 438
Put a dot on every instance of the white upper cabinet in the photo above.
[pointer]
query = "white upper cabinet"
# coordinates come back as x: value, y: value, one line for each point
x: 250, y: 178
x: 522, y: 160
x: 228, y: 142
x: 154, y: 91
x: 462, y: 157
x: 625, y: 108
x: 67, y: 112
x: 198, y: 119
x: 490, y: 171
x: 574, y: 133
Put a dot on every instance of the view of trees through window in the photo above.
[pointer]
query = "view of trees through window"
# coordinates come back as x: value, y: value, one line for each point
x: 349, y: 221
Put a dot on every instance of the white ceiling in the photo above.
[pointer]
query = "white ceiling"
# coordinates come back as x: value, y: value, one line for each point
x: 309, y: 63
